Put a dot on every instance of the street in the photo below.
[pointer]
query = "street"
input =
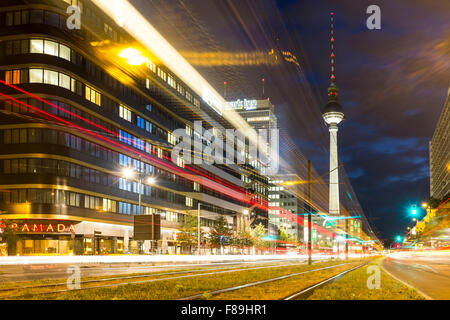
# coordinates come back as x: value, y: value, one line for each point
x: 429, y: 272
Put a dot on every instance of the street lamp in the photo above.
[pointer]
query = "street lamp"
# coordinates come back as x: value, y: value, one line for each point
x: 129, y: 173
x: 198, y: 225
x: 133, y: 56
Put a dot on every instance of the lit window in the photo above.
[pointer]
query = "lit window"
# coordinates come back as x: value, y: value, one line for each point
x: 160, y: 152
x: 64, y: 81
x: 93, y: 95
x: 188, y: 130
x: 64, y: 52
x: 36, y: 76
x: 162, y: 74
x: 171, y: 82
x: 196, y: 102
x: 180, y: 89
x: 125, y: 113
x: 50, y: 47
x: 37, y: 46
x: 171, y: 138
x: 51, y: 77
x: 180, y: 162
x: 189, y: 202
x: 151, y: 65
x: 254, y: 119
x: 12, y: 77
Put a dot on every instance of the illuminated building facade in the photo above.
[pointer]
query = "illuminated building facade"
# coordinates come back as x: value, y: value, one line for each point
x: 74, y: 115
x: 285, y: 207
x: 440, y: 155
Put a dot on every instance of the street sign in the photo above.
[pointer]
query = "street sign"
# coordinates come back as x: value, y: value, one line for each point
x: 147, y: 227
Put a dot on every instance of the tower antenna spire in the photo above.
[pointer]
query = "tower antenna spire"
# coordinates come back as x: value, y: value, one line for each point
x: 332, y: 90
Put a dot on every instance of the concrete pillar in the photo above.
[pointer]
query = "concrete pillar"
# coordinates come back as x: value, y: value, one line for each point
x: 114, y: 245
x: 147, y: 246
x: 126, y: 241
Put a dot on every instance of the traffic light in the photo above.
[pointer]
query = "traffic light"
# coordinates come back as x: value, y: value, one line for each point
x: 398, y: 238
x: 414, y: 210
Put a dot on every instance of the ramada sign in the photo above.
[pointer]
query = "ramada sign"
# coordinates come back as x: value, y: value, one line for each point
x: 42, y: 227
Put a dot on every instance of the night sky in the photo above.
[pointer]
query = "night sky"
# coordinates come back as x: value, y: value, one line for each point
x: 393, y: 82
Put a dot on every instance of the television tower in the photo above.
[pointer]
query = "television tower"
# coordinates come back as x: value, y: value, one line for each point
x: 333, y: 114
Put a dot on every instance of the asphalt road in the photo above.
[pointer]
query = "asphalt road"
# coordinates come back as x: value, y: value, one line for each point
x: 429, y: 272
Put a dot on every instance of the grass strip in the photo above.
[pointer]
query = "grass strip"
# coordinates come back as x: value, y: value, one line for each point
x: 280, y: 289
x: 353, y: 286
x: 57, y: 284
x: 182, y: 287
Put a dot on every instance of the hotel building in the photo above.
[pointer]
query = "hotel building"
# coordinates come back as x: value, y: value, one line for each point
x: 78, y: 107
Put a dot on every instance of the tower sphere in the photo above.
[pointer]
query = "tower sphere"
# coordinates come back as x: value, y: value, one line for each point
x: 332, y: 113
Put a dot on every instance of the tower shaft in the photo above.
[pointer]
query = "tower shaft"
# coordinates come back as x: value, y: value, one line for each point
x: 334, y: 172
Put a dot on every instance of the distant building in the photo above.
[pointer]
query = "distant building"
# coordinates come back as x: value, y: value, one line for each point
x: 284, y: 207
x: 440, y: 155
x: 258, y: 113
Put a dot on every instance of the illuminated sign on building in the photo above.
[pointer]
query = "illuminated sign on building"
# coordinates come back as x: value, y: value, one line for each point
x: 42, y: 227
x: 242, y: 104
x: 212, y: 100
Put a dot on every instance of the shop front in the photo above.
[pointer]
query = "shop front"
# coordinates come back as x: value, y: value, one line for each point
x: 38, y: 237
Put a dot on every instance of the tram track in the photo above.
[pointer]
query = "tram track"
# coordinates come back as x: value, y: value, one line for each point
x: 261, y: 282
x: 304, y: 293
x: 195, y: 273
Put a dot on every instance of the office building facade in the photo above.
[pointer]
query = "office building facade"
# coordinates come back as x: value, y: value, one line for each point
x: 74, y: 115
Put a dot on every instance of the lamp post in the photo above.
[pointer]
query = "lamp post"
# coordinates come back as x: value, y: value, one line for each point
x: 198, y: 237
x: 130, y: 173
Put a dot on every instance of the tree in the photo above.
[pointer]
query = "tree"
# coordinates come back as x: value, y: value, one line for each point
x: 283, y: 236
x: 189, y: 231
x: 420, y: 227
x: 258, y: 233
x: 9, y: 235
x: 221, y: 233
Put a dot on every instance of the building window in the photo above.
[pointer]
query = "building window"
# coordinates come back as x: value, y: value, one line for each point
x: 12, y: 77
x: 171, y: 138
x: 180, y: 89
x: 171, y: 82
x: 49, y: 47
x: 180, y: 162
x: 51, y: 77
x: 93, y: 95
x: 64, y: 81
x: 125, y: 113
x: 162, y: 74
x: 151, y: 65
x: 36, y: 75
x: 189, y: 96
